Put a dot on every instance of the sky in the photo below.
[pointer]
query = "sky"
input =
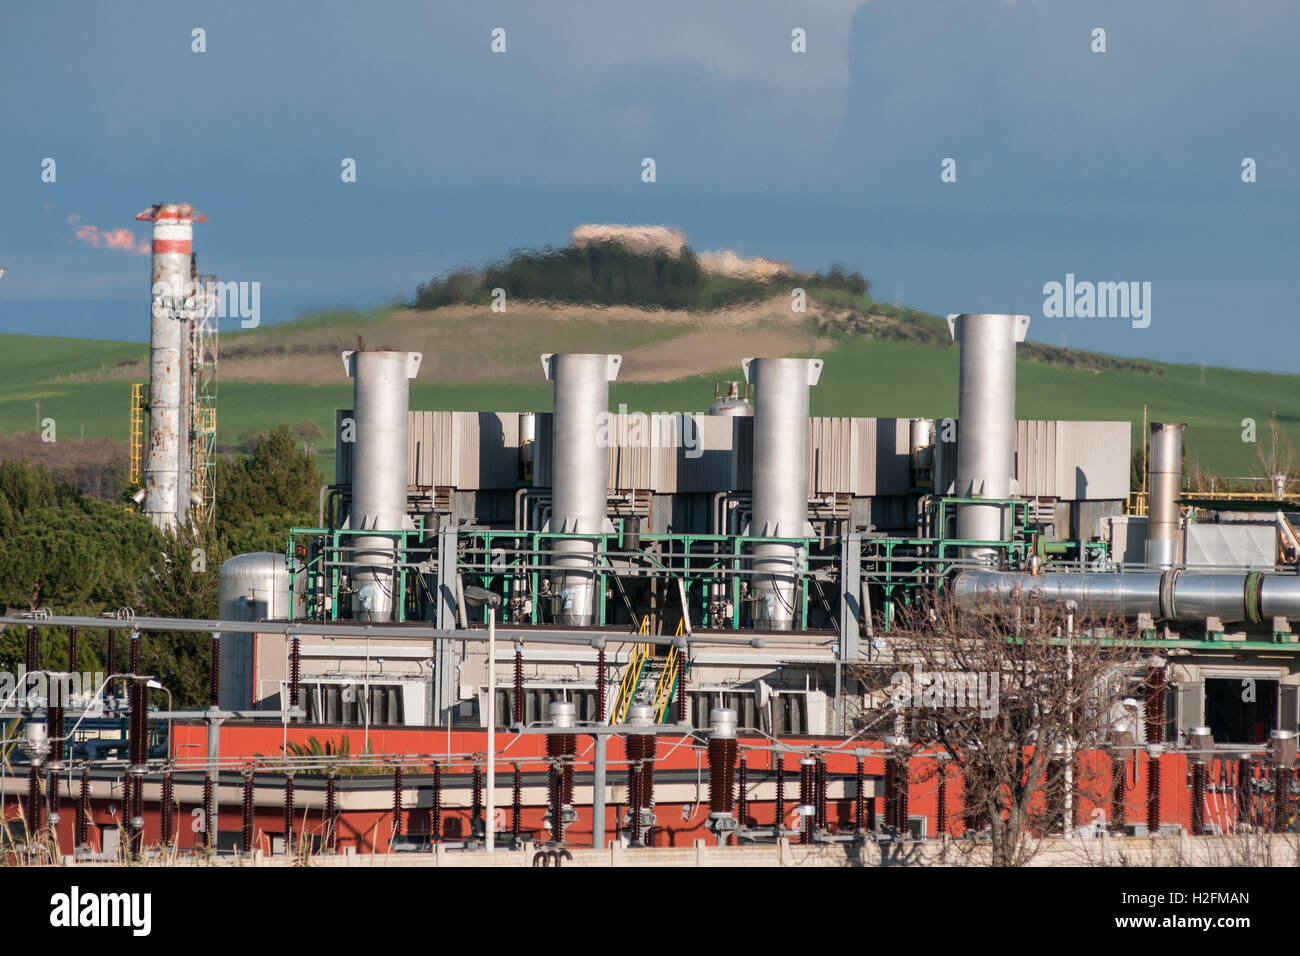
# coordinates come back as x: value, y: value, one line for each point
x: 1117, y: 166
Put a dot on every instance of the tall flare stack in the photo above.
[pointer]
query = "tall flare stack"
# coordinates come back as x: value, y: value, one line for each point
x: 986, y: 422
x: 579, y: 477
x: 380, y: 408
x: 780, y: 503
x: 167, y: 481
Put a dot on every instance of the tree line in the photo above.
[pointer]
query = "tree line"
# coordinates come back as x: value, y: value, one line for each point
x: 76, y: 555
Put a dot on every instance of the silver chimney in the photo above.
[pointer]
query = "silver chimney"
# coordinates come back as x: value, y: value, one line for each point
x: 986, y: 423
x: 579, y: 477
x: 380, y: 406
x: 780, y: 499
x: 1164, y: 483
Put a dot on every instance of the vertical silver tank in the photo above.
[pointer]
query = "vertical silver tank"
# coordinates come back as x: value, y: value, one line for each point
x: 527, y: 445
x: 732, y: 404
x: 252, y: 587
x: 579, y: 476
x: 920, y: 434
x: 1165, y: 483
x: 380, y: 406
x: 780, y: 498
x: 986, y: 426
x: 171, y: 312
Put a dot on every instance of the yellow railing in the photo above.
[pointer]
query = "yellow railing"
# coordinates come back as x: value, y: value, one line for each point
x: 664, y: 691
x: 631, y: 676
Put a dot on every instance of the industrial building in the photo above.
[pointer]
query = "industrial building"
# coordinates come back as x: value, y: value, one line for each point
x: 484, y: 591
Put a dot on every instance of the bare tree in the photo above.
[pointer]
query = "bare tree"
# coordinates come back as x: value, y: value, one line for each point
x: 1011, y: 692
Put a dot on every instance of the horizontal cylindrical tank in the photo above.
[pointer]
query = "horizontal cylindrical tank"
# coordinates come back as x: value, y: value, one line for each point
x: 579, y: 477
x: 780, y: 496
x: 252, y: 587
x: 986, y: 426
x: 380, y: 406
x: 1165, y: 479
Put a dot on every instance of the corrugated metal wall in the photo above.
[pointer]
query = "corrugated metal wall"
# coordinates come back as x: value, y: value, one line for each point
x: 468, y: 450
x: 862, y: 457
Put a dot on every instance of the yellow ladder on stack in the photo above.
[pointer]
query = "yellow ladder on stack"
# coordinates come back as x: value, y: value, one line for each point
x: 136, y: 433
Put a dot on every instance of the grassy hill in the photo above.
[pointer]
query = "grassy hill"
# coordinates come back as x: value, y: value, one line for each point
x: 679, y: 328
x: 475, y: 359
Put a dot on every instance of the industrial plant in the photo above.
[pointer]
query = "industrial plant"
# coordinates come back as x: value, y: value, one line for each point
x: 541, y: 632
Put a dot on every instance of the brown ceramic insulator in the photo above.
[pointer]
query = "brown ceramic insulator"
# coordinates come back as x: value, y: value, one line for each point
x: 518, y: 703
x: 397, y: 801
x: 1153, y: 796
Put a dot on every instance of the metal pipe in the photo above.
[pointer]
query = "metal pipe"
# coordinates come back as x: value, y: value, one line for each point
x: 780, y: 497
x: 1165, y: 477
x: 1176, y: 595
x: 598, y: 791
x: 579, y: 476
x: 1122, y: 593
x: 986, y: 426
x: 490, y: 828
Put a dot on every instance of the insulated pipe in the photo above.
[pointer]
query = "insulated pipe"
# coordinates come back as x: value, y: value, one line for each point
x: 1175, y: 595
x: 1123, y: 593
x: 1279, y: 596
x: 171, y: 312
x: 986, y: 423
x: 579, y: 476
x: 380, y: 407
x: 1164, y: 479
x: 780, y: 496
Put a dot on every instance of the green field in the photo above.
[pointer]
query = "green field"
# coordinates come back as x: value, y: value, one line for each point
x: 869, y: 377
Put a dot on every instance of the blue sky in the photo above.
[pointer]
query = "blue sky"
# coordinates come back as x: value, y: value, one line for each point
x: 1115, y: 166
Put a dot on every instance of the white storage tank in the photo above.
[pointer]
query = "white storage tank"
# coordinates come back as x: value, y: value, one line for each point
x: 255, y: 587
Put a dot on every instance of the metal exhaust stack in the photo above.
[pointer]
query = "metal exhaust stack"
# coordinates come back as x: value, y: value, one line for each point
x: 172, y: 312
x: 780, y: 502
x: 1165, y: 480
x: 986, y: 426
x: 579, y: 477
x: 380, y: 405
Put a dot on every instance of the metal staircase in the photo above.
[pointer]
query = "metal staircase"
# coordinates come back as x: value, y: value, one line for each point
x: 649, y: 678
